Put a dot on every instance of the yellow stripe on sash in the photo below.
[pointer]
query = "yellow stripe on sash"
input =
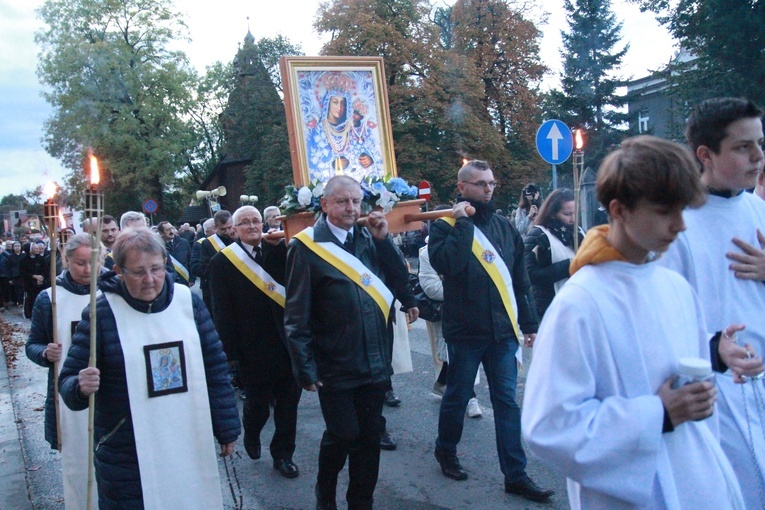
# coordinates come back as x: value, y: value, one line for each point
x: 363, y: 280
x: 270, y: 289
x: 216, y: 242
x: 179, y: 268
x: 489, y: 260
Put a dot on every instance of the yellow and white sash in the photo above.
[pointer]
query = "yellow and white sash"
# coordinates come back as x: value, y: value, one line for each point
x: 74, y: 424
x: 498, y: 273
x: 255, y: 273
x: 179, y: 268
x: 351, y: 267
x: 216, y: 242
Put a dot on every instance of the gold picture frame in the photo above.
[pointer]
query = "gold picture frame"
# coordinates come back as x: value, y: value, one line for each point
x: 338, y: 118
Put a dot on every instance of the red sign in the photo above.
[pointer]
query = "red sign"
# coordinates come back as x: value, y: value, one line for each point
x: 424, y: 190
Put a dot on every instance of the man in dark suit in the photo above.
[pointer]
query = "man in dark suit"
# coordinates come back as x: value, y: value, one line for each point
x: 178, y: 253
x: 341, y: 281
x: 208, y: 247
x: 246, y: 281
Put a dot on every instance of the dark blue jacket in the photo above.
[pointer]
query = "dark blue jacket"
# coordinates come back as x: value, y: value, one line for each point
x: 117, y: 473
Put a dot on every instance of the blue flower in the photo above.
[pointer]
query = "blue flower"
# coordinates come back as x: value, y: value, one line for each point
x: 398, y: 185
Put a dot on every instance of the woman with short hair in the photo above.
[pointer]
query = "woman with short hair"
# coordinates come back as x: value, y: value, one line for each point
x: 143, y: 424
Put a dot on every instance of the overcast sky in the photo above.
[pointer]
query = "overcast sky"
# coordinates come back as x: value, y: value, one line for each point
x: 216, y: 30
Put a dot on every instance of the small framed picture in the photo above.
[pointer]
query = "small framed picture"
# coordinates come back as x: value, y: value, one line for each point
x: 165, y: 368
x: 337, y: 118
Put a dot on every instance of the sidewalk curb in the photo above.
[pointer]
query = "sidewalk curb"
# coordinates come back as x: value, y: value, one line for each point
x: 14, y: 493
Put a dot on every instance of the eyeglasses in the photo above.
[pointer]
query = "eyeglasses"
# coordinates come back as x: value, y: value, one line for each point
x: 140, y: 274
x: 483, y: 184
x: 249, y: 223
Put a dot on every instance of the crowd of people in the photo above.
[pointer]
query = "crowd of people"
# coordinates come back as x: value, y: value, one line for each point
x: 676, y: 275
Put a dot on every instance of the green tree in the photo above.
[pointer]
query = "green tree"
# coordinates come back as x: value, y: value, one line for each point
x: 591, y: 58
x: 725, y: 37
x: 503, y: 46
x: 118, y: 89
x: 254, y: 122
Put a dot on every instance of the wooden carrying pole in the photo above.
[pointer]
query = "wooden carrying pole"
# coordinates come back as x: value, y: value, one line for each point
x: 408, y: 218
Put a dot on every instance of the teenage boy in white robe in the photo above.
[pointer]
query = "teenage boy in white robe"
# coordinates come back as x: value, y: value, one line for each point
x: 599, y: 405
x: 721, y: 256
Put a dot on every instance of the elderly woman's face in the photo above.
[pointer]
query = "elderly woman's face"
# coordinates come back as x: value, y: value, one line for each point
x: 143, y: 274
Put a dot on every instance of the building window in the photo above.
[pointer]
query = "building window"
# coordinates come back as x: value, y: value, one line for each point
x: 643, y: 122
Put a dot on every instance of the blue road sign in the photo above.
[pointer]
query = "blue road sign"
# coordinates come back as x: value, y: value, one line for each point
x: 554, y: 142
x: 150, y: 206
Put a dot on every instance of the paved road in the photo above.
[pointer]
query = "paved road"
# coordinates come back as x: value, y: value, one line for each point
x: 409, y: 477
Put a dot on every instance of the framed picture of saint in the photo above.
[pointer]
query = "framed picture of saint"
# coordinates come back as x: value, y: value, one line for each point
x: 337, y: 117
x: 165, y: 368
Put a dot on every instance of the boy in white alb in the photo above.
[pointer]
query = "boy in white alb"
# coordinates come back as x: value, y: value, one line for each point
x: 721, y: 257
x: 599, y: 404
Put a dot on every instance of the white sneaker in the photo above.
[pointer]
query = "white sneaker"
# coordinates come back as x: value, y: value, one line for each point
x: 473, y: 409
x: 438, y: 390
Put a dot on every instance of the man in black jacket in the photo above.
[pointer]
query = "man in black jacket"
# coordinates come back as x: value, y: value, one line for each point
x: 208, y: 247
x: 246, y: 281
x: 341, y: 280
x: 178, y: 254
x: 487, y: 311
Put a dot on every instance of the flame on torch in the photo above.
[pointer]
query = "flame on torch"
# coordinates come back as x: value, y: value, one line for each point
x: 49, y: 190
x: 465, y: 161
x: 61, y: 219
x: 95, y: 176
x: 579, y: 139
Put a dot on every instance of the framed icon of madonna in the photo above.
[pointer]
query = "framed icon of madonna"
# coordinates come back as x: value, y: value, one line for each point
x: 337, y: 118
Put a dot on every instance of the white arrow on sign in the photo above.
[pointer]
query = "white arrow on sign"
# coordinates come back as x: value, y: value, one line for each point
x: 554, y: 136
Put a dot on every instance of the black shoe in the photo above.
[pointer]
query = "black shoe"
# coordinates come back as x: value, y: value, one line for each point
x: 391, y: 400
x: 322, y: 504
x: 450, y: 465
x: 526, y: 488
x: 387, y: 442
x: 252, y: 449
x: 286, y: 467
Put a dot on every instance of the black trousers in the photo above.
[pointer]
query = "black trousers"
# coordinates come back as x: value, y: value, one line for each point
x: 354, y: 425
x: 255, y: 414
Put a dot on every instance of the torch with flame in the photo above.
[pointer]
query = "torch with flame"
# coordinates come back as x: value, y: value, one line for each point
x: 93, y: 211
x: 578, y: 170
x: 51, y: 218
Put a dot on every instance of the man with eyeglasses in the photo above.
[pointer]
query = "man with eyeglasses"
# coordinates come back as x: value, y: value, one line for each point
x: 161, y: 385
x: 488, y: 310
x: 223, y: 236
x: 246, y: 281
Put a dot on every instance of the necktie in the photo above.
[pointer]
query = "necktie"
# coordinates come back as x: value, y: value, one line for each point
x: 258, y: 255
x: 348, y: 244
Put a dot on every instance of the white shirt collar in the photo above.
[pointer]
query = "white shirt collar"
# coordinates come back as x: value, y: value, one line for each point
x: 339, y: 233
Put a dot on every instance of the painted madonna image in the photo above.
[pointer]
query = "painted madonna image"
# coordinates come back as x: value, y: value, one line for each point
x: 337, y: 124
x: 340, y: 124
